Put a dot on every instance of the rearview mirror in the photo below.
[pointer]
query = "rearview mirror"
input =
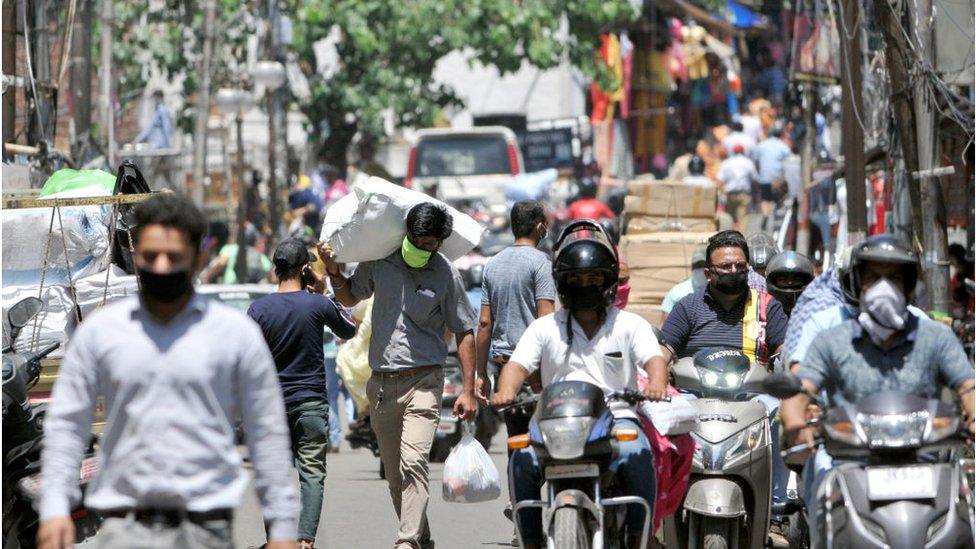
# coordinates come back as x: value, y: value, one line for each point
x: 23, y: 311
x: 782, y: 385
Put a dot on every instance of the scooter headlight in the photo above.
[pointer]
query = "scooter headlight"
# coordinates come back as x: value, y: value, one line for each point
x: 893, y: 430
x: 565, y: 437
x: 739, y: 445
x: 716, y: 380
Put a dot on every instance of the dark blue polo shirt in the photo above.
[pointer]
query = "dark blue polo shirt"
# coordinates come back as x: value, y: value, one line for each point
x: 699, y: 321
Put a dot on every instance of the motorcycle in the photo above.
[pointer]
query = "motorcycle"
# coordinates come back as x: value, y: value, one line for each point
x: 899, y: 479
x: 729, y: 492
x: 571, y: 434
x: 23, y: 437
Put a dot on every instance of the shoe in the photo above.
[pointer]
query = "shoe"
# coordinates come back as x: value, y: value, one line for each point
x: 306, y: 544
x: 330, y: 449
x: 508, y: 511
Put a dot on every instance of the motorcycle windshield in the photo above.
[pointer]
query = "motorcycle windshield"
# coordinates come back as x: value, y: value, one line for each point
x: 571, y: 399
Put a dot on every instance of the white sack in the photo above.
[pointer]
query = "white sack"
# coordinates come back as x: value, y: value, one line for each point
x: 370, y: 222
x: 25, y: 236
x: 52, y: 321
x: 90, y: 290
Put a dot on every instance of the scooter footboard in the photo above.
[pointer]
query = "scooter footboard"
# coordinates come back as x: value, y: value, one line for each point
x: 715, y: 497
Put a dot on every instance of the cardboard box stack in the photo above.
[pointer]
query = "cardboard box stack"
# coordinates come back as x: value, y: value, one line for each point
x: 664, y: 222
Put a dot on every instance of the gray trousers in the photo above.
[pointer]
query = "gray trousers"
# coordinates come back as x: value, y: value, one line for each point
x: 127, y: 533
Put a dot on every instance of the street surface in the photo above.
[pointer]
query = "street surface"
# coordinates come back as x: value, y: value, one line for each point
x: 358, y: 513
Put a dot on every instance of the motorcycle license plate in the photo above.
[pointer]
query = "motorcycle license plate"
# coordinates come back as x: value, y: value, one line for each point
x: 447, y: 425
x: 891, y: 483
x: 575, y: 470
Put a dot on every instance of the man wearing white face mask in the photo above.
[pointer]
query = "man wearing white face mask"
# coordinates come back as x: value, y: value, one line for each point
x: 881, y: 345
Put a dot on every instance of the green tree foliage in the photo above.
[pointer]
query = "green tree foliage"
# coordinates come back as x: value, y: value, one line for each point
x: 388, y: 50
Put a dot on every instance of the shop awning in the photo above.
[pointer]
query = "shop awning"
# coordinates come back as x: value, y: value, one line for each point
x: 743, y: 17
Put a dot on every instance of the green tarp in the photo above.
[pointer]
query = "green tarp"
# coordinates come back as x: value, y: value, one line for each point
x: 100, y: 182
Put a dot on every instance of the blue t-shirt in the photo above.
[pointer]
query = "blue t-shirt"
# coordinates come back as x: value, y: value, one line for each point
x: 293, y: 325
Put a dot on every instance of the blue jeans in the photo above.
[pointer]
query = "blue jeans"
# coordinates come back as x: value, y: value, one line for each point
x: 633, y: 468
x: 334, y: 388
x: 813, y: 474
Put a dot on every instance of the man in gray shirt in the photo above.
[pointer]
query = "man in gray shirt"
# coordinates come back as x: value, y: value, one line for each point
x: 419, y: 296
x: 516, y: 288
x: 176, y: 371
x: 884, y: 347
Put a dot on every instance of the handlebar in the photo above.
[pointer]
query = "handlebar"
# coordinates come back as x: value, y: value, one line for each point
x: 633, y: 397
x: 520, y: 403
x: 46, y: 351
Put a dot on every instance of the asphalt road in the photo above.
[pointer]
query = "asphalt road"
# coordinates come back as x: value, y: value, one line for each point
x: 358, y: 513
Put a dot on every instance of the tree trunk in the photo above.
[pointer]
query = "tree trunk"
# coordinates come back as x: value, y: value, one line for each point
x: 81, y: 83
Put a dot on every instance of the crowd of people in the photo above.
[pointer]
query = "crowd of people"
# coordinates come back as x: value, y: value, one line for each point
x: 177, y: 372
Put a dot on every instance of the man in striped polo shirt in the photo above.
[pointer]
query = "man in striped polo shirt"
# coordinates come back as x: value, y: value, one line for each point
x: 728, y: 313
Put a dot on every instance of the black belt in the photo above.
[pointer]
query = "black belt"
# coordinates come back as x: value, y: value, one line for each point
x: 170, y: 517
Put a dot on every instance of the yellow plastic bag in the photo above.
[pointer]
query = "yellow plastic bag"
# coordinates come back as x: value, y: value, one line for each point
x: 353, y: 356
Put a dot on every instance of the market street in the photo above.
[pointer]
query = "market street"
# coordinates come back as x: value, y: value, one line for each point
x: 357, y: 510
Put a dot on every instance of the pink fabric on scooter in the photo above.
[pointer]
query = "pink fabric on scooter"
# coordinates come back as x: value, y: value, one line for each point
x: 672, y: 464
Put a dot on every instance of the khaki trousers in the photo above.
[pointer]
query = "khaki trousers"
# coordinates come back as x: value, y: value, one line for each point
x: 404, y: 411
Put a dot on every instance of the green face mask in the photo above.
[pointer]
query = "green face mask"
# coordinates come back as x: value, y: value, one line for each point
x: 414, y: 256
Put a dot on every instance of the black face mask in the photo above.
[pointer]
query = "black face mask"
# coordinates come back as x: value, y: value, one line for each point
x: 583, y: 297
x: 165, y: 288
x: 732, y: 283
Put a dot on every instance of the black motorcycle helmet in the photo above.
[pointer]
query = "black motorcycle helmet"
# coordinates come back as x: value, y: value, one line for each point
x: 762, y: 248
x: 584, y: 246
x: 882, y: 248
x: 610, y: 227
x: 586, y: 187
x: 696, y: 166
x: 787, y: 275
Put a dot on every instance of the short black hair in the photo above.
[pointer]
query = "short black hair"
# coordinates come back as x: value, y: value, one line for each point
x: 429, y: 219
x: 737, y: 126
x: 725, y: 239
x: 958, y: 251
x: 170, y: 210
x: 526, y: 214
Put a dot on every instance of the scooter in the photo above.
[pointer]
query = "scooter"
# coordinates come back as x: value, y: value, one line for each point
x: 729, y: 493
x: 571, y: 434
x: 899, y: 478
x: 22, y: 440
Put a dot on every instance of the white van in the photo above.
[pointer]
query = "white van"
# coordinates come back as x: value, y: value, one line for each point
x: 473, y: 163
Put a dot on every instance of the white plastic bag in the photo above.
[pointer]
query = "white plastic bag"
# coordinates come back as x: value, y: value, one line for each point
x: 671, y: 418
x: 369, y: 223
x: 469, y: 474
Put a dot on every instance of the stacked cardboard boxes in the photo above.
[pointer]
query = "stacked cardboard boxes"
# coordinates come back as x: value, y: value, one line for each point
x: 664, y: 222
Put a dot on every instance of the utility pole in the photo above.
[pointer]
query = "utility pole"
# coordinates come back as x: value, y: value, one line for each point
x: 203, y: 104
x: 240, y: 267
x: 935, y: 260
x: 40, y: 127
x: 274, y: 109
x: 81, y: 47
x: 806, y: 169
x: 9, y: 50
x: 918, y: 147
x: 108, y: 116
x: 852, y: 115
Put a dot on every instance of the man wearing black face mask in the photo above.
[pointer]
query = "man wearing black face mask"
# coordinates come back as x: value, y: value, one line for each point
x: 176, y: 371
x: 728, y: 313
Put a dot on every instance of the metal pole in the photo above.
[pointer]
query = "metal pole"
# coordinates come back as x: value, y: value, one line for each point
x: 274, y: 104
x: 852, y: 114
x: 935, y: 259
x: 241, y: 266
x: 203, y: 106
x: 81, y: 81
x: 806, y: 171
x: 108, y: 116
x: 41, y: 128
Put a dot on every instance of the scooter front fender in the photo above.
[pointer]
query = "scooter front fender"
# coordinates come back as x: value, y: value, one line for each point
x: 715, y: 497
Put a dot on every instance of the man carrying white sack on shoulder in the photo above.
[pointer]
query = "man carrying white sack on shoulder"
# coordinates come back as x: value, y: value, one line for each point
x: 418, y: 294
